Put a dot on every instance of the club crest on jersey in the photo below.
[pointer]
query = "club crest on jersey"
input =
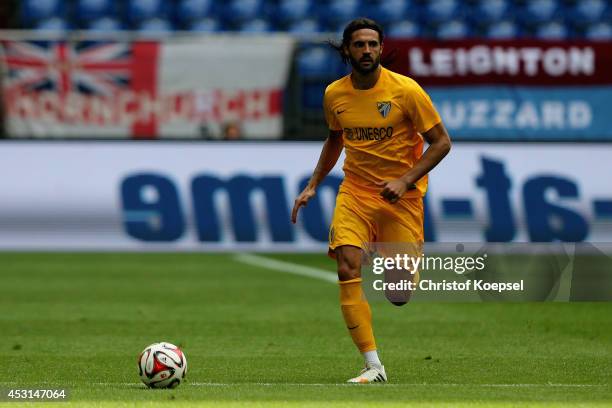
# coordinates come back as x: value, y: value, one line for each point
x: 384, y: 108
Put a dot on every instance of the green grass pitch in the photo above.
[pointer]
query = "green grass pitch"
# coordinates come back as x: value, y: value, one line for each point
x: 255, y: 336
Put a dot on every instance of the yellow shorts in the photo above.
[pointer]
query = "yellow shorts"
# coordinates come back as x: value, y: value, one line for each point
x: 362, y: 216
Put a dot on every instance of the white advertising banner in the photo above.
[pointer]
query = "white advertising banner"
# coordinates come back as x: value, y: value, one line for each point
x: 181, y: 87
x: 238, y: 196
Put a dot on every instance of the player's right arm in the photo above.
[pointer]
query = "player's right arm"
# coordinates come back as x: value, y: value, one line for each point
x: 327, y: 160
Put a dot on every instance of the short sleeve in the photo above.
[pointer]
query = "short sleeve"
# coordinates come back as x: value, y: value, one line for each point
x: 330, y: 116
x: 420, y: 108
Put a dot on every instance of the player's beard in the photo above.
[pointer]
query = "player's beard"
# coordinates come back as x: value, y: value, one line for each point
x: 364, y: 71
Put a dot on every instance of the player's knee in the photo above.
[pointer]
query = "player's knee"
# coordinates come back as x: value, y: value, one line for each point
x: 349, y: 263
x: 347, y: 271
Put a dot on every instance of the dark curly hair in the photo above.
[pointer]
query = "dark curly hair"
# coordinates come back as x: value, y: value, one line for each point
x: 357, y: 24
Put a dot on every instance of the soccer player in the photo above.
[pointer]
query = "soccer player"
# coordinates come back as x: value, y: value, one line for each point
x: 380, y: 118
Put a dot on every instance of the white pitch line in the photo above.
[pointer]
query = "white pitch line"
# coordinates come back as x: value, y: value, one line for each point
x: 287, y: 267
x: 264, y: 384
x: 211, y: 384
x: 197, y: 384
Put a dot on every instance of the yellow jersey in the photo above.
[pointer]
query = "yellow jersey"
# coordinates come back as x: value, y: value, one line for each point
x: 381, y: 128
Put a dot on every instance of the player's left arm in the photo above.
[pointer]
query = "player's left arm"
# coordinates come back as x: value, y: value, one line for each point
x: 439, y: 146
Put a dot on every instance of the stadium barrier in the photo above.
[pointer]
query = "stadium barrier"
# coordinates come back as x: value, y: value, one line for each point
x: 238, y: 196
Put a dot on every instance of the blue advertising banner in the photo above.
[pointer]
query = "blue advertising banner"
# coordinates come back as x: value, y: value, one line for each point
x: 525, y: 112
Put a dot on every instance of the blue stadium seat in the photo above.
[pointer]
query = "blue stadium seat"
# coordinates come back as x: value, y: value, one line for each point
x: 391, y: 11
x: 104, y: 24
x: 36, y: 10
x: 553, y: 30
x: 341, y: 69
x: 540, y: 12
x: 337, y: 30
x: 589, y: 12
x: 312, y: 95
x: 142, y: 10
x: 241, y: 11
x: 404, y: 29
x: 488, y: 11
x: 293, y: 11
x: 317, y: 62
x: 192, y: 10
x: 154, y: 26
x: 205, y: 25
x: 599, y: 32
x: 453, y: 30
x: 258, y: 25
x: 503, y: 30
x: 304, y: 28
x: 52, y: 24
x: 339, y: 12
x: 437, y: 11
x: 87, y: 10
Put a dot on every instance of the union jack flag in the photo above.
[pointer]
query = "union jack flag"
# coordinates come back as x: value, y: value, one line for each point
x: 93, y: 68
x: 86, y: 68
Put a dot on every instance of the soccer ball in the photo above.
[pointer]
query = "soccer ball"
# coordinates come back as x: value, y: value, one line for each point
x: 162, y: 365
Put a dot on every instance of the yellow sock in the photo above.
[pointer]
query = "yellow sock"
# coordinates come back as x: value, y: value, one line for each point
x: 357, y: 314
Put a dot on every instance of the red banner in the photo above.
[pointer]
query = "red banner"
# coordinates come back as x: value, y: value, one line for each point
x: 524, y: 62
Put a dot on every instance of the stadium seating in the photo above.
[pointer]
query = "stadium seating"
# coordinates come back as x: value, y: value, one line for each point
x: 490, y: 11
x: 337, y: 12
x: 33, y: 11
x: 404, y: 29
x: 599, y: 32
x: 204, y: 25
x: 291, y: 12
x: 439, y: 11
x: 453, y: 30
x: 306, y: 19
x: 258, y: 25
x: 237, y: 12
x: 88, y: 10
x: 537, y: 12
x: 154, y: 26
x: 443, y: 19
x: 316, y: 64
x: 391, y: 11
x: 312, y: 95
x: 138, y: 11
x: 304, y: 28
x: 315, y: 61
x: 554, y: 30
x: 502, y: 30
x: 189, y: 11
x: 589, y: 11
x: 104, y: 24
x: 52, y: 24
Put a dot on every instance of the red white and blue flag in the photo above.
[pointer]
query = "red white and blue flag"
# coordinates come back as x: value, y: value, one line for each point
x: 141, y: 89
x: 86, y: 68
